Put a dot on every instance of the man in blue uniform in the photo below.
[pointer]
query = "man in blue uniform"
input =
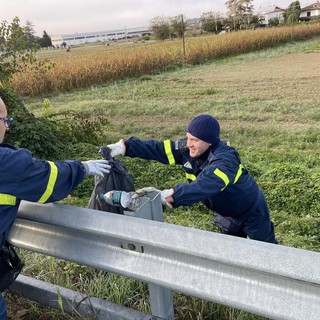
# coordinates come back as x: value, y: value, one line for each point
x: 216, y: 177
x: 23, y: 177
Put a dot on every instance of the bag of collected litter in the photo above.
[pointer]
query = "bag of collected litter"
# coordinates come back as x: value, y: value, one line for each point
x: 118, y: 179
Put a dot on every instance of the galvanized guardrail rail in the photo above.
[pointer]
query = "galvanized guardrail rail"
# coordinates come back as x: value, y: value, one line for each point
x: 274, y: 281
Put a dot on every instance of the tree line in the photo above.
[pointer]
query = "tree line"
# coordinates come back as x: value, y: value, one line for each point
x: 240, y: 15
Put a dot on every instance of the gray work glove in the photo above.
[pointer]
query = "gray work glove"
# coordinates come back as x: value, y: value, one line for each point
x: 164, y: 194
x: 118, y: 148
x: 96, y: 167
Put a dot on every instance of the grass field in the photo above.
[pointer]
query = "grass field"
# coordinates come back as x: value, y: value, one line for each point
x: 268, y: 107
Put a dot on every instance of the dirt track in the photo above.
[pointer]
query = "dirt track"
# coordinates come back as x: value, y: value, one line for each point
x: 293, y: 76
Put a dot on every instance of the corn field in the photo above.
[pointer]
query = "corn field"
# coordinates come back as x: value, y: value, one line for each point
x: 93, y: 67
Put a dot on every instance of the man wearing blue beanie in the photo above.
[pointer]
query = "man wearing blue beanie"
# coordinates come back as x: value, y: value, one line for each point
x: 216, y: 177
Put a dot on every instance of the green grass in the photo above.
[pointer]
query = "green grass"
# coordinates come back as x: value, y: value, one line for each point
x: 268, y: 105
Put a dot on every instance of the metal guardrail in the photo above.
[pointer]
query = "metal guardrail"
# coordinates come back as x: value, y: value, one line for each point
x: 274, y: 281
x: 72, y: 302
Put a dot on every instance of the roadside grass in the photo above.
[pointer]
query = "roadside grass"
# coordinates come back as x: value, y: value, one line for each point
x: 268, y: 105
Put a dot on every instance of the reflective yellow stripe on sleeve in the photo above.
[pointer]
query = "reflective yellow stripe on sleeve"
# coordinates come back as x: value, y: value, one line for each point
x: 239, y: 172
x: 7, y: 199
x: 167, y: 149
x: 222, y: 176
x: 191, y: 177
x: 51, y: 183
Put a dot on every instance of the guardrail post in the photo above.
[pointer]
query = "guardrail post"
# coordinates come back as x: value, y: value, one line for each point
x: 161, y: 300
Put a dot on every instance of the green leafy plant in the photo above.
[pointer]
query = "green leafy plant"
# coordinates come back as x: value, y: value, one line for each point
x: 17, y: 51
x: 40, y: 136
x: 81, y: 127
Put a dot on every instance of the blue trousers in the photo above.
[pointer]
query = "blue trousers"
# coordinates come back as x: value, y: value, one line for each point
x: 3, y: 308
x: 256, y: 225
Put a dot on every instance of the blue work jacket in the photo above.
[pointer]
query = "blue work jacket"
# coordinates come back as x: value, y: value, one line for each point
x: 217, y: 178
x: 23, y: 177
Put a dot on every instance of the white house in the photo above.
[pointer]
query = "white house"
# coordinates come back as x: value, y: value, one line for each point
x: 310, y: 11
x: 273, y: 13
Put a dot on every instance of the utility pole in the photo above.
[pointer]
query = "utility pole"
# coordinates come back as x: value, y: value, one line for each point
x: 183, y: 41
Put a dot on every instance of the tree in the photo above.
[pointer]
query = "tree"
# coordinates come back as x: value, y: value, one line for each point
x: 233, y: 13
x: 211, y: 21
x: 273, y: 22
x: 29, y: 35
x: 240, y: 13
x: 292, y: 14
x: 177, y: 25
x: 45, y: 41
x: 16, y: 50
x: 160, y: 27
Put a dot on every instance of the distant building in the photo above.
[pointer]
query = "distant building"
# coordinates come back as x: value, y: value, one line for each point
x: 56, y: 40
x: 310, y: 12
x: 194, y: 23
x: 102, y: 36
x: 273, y: 13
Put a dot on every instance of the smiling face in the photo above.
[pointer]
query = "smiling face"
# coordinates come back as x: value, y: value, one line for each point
x: 196, y: 146
x: 3, y: 113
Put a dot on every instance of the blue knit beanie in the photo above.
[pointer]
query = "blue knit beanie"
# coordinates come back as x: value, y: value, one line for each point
x: 205, y: 127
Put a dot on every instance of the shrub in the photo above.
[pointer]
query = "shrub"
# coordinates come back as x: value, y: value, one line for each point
x: 40, y: 136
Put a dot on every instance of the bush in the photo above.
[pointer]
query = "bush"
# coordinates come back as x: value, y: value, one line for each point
x: 49, y: 138
x: 81, y: 127
x: 40, y: 136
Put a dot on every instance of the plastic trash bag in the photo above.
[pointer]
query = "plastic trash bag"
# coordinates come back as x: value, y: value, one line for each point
x: 118, y: 179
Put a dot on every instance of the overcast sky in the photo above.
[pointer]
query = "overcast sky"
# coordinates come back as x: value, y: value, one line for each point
x: 71, y: 16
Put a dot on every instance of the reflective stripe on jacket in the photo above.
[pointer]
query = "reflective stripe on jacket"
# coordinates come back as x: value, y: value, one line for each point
x: 217, y: 178
x: 26, y: 178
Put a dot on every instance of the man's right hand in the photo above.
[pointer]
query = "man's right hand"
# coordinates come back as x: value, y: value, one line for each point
x: 118, y: 148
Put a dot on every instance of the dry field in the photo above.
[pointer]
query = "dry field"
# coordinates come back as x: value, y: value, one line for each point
x: 259, y: 93
x: 291, y: 77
